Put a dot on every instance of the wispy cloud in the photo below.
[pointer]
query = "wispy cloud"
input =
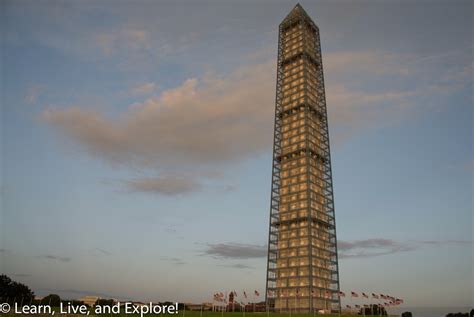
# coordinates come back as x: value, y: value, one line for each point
x: 366, y: 248
x: 187, y: 130
x: 219, y: 120
x: 378, y: 246
x: 173, y: 260
x: 371, y: 247
x: 99, y: 252
x: 239, y: 266
x: 445, y: 242
x: 54, y: 258
x: 208, y: 121
x: 390, y: 87
x: 236, y: 251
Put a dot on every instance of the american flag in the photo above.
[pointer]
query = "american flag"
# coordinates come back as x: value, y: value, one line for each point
x: 349, y: 306
x: 245, y: 294
x: 354, y: 294
x: 365, y: 295
x: 256, y: 293
x: 375, y: 296
x: 342, y: 294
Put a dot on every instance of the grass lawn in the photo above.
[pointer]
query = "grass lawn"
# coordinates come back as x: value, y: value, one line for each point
x: 203, y: 314
x: 240, y: 314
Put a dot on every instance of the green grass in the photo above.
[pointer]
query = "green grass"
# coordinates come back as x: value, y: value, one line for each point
x: 208, y: 314
x: 240, y: 314
x: 262, y: 314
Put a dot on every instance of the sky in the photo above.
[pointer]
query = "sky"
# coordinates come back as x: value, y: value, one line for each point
x: 136, y: 145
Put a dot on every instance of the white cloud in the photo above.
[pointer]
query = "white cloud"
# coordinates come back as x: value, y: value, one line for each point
x: 201, y: 122
x: 216, y: 120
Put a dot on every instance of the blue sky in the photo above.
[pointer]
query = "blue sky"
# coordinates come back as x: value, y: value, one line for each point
x: 136, y: 145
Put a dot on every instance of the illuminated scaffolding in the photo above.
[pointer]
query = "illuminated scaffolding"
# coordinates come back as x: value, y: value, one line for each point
x: 302, y: 268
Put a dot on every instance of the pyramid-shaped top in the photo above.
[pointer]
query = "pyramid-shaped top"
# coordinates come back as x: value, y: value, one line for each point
x: 297, y: 13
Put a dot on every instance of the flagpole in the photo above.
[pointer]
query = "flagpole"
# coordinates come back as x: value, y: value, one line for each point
x: 222, y: 308
x: 266, y: 303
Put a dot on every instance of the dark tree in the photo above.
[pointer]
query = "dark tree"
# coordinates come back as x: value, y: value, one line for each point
x: 52, y: 299
x: 104, y: 302
x: 11, y: 291
x: 407, y: 314
x: 472, y: 313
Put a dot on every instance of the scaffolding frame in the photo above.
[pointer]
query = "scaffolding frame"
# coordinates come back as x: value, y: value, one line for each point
x: 319, y: 153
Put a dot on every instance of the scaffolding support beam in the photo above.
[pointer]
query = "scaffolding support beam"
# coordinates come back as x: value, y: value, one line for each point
x: 302, y: 266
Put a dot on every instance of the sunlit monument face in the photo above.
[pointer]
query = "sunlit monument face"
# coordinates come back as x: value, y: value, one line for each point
x: 302, y: 273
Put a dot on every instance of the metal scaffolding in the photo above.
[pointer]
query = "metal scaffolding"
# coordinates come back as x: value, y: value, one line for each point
x: 302, y: 267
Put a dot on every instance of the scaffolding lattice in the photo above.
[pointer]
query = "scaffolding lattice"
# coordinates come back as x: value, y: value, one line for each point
x: 302, y: 267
